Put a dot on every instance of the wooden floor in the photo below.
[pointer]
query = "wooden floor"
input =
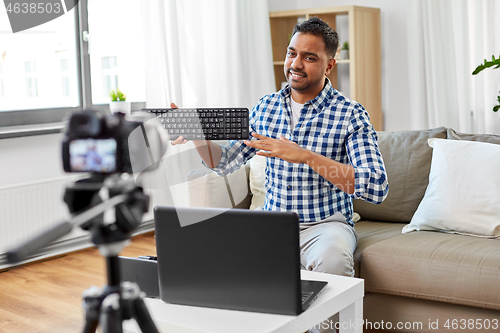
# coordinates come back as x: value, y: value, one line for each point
x: 46, y: 296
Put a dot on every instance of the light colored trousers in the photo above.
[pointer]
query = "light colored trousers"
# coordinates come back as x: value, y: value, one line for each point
x: 328, y: 246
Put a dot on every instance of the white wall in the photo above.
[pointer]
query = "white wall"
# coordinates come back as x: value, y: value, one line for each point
x: 395, y: 66
x: 278, y: 5
x: 30, y: 158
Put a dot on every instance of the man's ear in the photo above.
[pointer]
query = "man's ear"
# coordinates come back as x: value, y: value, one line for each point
x: 330, y: 65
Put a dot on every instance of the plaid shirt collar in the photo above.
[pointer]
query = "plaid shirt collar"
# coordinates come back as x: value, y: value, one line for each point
x: 317, y: 104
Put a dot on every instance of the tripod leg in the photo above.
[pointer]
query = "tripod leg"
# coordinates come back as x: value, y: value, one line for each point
x: 143, y: 318
x: 111, y: 319
x: 91, y: 305
x: 133, y: 298
x: 90, y: 326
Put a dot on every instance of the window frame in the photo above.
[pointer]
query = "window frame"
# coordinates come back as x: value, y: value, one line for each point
x: 1, y: 79
x: 51, y: 120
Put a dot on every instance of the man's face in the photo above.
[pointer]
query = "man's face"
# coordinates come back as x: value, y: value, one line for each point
x: 306, y: 65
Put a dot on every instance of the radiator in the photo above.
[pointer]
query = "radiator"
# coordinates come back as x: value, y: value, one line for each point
x: 28, y: 209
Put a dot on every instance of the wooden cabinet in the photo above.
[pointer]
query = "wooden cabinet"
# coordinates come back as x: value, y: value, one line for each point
x: 364, y: 63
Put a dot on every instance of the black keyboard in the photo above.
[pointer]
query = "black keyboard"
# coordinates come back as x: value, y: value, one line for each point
x: 204, y: 124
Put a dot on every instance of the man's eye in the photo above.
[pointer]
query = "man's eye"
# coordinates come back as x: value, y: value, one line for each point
x: 289, y: 53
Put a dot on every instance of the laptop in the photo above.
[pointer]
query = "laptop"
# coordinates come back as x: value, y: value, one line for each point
x: 143, y: 271
x: 234, y: 259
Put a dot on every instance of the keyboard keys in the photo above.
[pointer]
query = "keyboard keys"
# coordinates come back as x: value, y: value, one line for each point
x: 209, y: 124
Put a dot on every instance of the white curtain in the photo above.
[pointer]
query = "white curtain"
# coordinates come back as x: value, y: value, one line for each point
x: 207, y: 53
x: 202, y: 53
x: 448, y: 39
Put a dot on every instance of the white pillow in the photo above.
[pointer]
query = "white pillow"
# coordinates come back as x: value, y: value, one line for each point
x: 207, y: 189
x: 463, y: 195
x: 257, y: 181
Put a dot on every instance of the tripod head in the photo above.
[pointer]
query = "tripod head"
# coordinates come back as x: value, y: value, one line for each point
x: 88, y: 193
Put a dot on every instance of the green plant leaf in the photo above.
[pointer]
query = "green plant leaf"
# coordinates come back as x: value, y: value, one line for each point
x: 117, y: 95
x: 487, y: 64
x: 113, y: 96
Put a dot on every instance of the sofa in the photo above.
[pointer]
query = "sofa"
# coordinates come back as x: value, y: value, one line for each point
x: 423, y: 280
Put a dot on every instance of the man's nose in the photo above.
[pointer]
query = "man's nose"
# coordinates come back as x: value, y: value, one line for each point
x: 297, y: 62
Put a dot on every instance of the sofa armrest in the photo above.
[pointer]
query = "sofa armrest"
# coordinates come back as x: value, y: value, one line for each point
x: 207, y: 189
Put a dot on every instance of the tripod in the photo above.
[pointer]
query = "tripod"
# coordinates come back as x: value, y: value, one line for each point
x: 116, y: 301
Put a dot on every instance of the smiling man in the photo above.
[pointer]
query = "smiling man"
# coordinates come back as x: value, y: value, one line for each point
x: 321, y: 151
x: 308, y: 62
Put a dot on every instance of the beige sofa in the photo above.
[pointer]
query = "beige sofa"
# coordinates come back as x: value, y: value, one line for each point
x: 422, y: 281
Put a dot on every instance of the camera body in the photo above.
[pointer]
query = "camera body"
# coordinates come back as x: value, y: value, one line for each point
x: 97, y: 143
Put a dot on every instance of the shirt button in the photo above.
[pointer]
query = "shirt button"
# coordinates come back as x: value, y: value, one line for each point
x: 289, y: 187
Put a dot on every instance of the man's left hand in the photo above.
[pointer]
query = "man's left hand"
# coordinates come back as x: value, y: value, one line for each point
x: 283, y: 148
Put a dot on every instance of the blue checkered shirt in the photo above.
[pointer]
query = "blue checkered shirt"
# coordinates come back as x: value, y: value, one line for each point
x: 331, y: 125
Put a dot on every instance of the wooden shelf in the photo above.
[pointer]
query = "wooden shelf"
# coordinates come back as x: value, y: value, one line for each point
x: 365, y: 64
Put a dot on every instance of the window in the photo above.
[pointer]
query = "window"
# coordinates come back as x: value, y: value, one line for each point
x: 116, y: 49
x: 109, y: 75
x: 31, y: 81
x: 1, y: 79
x: 49, y: 70
x: 64, y: 78
x: 35, y: 55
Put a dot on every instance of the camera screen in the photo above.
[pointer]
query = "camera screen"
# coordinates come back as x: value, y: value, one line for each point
x: 92, y: 155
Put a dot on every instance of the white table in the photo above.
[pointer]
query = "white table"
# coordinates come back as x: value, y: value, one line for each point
x: 342, y: 294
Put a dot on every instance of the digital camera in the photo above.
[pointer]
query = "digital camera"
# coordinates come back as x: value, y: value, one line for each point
x: 106, y: 144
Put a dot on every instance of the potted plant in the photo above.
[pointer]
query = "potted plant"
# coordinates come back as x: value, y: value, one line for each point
x: 344, y: 52
x: 488, y: 64
x: 118, y: 102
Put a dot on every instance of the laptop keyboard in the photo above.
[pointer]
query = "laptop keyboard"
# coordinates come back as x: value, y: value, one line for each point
x: 306, y: 295
x: 204, y: 124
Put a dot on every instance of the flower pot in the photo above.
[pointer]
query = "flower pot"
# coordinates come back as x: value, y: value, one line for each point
x: 120, y: 106
x: 344, y: 54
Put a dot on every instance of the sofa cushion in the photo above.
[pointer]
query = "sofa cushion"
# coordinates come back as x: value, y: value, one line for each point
x: 490, y: 138
x: 207, y: 189
x: 409, y: 315
x: 369, y: 233
x: 258, y: 180
x: 435, y: 266
x: 407, y: 159
x: 463, y: 195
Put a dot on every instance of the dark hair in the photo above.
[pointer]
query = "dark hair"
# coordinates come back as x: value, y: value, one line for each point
x: 317, y: 27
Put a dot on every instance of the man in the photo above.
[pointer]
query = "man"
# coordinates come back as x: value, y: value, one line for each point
x: 321, y: 151
x: 93, y: 159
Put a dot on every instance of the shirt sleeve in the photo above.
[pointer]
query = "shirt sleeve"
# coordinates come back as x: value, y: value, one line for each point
x: 234, y: 154
x: 370, y: 178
